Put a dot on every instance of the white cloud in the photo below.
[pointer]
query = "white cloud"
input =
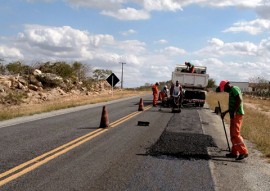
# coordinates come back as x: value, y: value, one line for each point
x: 218, y: 48
x: 47, y: 43
x: 233, y: 71
x: 132, y: 46
x: 162, y: 5
x: 172, y: 51
x: 58, y: 37
x: 263, y: 10
x: 10, y: 53
x: 120, y: 9
x: 100, y: 4
x: 223, y: 3
x: 216, y: 42
x: 253, y: 27
x: 127, y: 14
x: 264, y: 50
x: 161, y: 41
x: 101, y: 40
x: 129, y: 32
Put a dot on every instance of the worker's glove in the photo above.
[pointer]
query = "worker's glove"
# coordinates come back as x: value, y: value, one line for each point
x: 223, y: 115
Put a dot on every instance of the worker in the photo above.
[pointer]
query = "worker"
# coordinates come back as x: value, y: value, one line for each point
x: 176, y: 90
x: 239, y: 150
x: 164, y: 95
x: 190, y: 67
x: 155, y: 93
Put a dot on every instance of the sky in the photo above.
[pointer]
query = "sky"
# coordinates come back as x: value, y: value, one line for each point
x: 230, y: 37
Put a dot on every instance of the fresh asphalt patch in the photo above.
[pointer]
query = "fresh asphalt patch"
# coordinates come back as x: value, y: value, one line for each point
x: 183, y: 138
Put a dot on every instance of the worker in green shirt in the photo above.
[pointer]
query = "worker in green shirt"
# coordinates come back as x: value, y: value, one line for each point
x: 236, y: 111
x: 190, y: 67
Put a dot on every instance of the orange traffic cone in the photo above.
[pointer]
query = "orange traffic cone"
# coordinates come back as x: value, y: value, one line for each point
x: 104, y: 122
x: 141, y: 105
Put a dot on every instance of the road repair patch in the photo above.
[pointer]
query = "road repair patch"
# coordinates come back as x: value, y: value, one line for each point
x: 182, y: 145
x: 183, y: 138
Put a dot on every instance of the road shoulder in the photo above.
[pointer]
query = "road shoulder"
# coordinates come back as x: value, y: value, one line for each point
x: 250, y: 174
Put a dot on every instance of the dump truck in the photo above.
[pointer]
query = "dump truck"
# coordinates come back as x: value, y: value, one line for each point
x: 194, y: 84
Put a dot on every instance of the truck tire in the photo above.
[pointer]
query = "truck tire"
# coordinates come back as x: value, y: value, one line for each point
x: 201, y: 104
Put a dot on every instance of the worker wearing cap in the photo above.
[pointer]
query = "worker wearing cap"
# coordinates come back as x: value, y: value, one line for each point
x: 190, y: 67
x: 236, y: 111
x: 155, y: 93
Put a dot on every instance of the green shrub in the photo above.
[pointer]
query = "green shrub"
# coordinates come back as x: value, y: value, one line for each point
x: 2, y: 69
x: 88, y: 83
x: 59, y: 68
x: 18, y: 68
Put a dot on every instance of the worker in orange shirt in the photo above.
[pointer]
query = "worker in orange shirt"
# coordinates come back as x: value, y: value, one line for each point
x: 155, y: 93
x: 164, y: 96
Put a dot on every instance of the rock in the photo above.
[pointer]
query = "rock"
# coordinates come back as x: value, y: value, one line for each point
x: 2, y: 89
x: 20, y: 86
x: 63, y: 86
x: 49, y: 79
x: 84, y: 89
x: 32, y: 80
x: 76, y: 92
x: 62, y: 92
x: 33, y: 87
x: 7, y: 83
x: 22, y: 81
x: 37, y: 72
x: 40, y: 88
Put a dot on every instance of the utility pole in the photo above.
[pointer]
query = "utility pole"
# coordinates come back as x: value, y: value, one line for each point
x: 122, y: 74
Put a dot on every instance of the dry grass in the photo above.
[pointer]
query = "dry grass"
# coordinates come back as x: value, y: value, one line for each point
x: 9, y: 112
x: 256, y: 121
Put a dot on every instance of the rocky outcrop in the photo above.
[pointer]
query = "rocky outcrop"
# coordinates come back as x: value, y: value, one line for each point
x: 39, y: 87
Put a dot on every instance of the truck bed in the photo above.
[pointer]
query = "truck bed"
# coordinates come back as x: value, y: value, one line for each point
x: 191, y: 80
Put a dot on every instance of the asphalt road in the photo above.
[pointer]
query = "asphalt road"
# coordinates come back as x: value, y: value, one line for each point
x: 66, y: 150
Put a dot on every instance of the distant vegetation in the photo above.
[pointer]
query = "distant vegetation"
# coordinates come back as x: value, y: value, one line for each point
x: 61, y: 68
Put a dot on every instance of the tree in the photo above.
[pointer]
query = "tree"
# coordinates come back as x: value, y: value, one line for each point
x: 211, y: 83
x: 2, y: 67
x: 81, y: 70
x: 100, y: 74
x: 260, y: 85
x: 59, y: 68
x: 18, y: 68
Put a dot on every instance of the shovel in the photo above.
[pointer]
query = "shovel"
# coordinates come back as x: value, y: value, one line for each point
x: 224, y: 126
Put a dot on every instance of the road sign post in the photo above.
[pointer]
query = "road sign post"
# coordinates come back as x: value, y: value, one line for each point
x: 112, y: 80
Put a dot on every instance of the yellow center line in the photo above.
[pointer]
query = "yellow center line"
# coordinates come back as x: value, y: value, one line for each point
x: 37, y: 164
x: 46, y: 154
x: 46, y: 157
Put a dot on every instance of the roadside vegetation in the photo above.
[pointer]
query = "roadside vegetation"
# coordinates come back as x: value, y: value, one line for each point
x: 256, y: 121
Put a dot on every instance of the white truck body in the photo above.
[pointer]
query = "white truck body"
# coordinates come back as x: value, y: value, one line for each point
x: 198, y: 80
x: 194, y: 84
